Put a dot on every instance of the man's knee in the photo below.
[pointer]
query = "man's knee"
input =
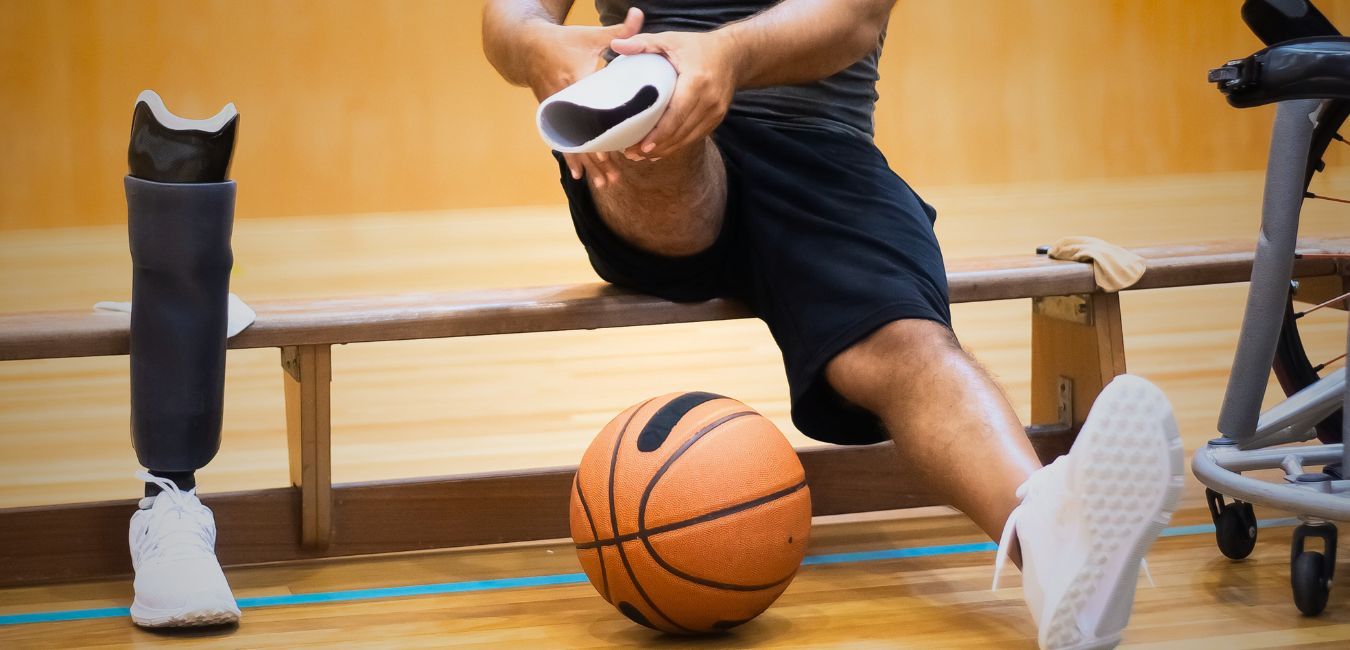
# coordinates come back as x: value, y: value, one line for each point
x: 881, y: 366
x: 670, y: 207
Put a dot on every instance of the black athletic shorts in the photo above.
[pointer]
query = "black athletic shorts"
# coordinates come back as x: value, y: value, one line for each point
x: 821, y: 240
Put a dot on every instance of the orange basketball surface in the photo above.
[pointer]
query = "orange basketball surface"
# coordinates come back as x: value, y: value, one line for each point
x: 690, y: 513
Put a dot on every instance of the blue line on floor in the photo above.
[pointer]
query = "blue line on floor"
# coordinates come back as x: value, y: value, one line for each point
x: 899, y: 553
x: 1200, y: 529
x: 551, y: 580
x: 67, y: 615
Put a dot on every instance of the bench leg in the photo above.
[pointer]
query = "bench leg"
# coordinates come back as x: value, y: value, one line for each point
x: 1077, y: 347
x: 307, y: 374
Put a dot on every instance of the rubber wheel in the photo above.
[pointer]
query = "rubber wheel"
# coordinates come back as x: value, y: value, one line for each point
x: 1307, y: 574
x: 1235, y: 532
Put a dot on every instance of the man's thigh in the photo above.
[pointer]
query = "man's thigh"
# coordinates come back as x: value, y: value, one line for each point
x: 674, y: 206
x: 828, y: 246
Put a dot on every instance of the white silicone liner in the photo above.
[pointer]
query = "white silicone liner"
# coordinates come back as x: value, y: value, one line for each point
x: 171, y: 121
x: 615, y: 85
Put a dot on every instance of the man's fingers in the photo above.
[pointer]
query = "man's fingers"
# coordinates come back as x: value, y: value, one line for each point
x: 595, y: 171
x: 699, y: 123
x: 680, y: 136
x: 592, y: 167
x: 608, y: 168
x: 676, y: 112
x: 600, y: 169
x: 660, y: 133
x: 573, y: 165
x: 631, y: 25
x: 638, y: 44
x: 702, y: 130
x: 671, y: 140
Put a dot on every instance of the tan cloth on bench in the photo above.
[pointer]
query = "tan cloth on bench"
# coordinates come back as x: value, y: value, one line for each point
x: 1113, y: 267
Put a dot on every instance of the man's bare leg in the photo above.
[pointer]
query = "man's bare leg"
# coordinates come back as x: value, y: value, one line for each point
x: 1084, y: 523
x: 949, y: 420
x: 673, y: 206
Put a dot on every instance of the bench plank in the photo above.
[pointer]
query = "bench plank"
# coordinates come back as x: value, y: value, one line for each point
x: 41, y: 335
x: 372, y: 518
x: 85, y: 540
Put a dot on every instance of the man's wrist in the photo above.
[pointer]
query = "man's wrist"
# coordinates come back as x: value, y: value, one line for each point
x: 731, y: 42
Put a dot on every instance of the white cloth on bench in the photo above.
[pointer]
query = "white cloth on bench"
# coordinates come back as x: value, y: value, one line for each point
x: 240, y: 314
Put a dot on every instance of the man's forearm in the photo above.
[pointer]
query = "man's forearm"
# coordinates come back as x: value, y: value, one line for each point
x: 510, y: 30
x: 800, y: 41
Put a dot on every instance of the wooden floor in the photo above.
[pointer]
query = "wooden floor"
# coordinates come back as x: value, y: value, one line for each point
x: 444, y: 407
x: 1201, y: 600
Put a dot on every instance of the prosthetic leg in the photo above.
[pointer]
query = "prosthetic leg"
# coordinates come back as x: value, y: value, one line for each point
x: 180, y: 213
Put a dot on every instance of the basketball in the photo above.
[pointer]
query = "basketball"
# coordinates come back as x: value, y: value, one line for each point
x: 690, y: 513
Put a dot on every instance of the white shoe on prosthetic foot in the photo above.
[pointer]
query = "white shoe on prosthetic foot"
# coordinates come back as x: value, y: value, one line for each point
x: 1087, y: 520
x: 179, y: 582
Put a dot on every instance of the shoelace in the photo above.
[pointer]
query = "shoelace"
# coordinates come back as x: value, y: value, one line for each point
x: 185, y: 519
x: 1025, y: 492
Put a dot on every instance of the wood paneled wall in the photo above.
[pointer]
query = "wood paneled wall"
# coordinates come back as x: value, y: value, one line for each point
x: 388, y: 105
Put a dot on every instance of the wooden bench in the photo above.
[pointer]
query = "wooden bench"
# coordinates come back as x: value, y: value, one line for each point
x: 1077, y: 347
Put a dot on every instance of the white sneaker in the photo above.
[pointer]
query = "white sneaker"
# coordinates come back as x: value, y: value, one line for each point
x: 178, y: 579
x: 1087, y: 519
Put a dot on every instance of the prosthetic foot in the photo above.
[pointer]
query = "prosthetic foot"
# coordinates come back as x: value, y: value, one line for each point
x: 180, y: 212
x: 173, y: 551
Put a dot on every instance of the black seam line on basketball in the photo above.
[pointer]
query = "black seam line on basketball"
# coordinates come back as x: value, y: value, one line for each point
x: 659, y: 426
x: 716, y: 514
x: 646, y: 496
x: 646, y: 492
x: 729, y: 586
x: 651, y: 485
x: 614, y: 524
x: 609, y: 596
x: 600, y: 552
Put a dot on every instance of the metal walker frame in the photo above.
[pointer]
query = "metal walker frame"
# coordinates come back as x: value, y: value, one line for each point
x: 1251, y: 439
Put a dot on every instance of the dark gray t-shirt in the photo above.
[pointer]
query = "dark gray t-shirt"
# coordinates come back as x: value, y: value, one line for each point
x: 844, y: 101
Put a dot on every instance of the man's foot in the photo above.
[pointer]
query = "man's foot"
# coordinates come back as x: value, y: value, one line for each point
x: 178, y: 579
x: 1087, y: 519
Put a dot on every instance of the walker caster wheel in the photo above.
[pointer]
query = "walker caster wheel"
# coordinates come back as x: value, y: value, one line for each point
x: 1310, y: 572
x: 1234, y: 525
x: 1312, y: 584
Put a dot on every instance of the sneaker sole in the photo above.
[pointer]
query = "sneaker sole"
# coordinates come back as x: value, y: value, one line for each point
x: 1131, y: 475
x: 187, y: 617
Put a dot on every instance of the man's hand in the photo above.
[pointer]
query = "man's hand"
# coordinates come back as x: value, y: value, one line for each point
x: 565, y: 55
x: 703, y: 90
x: 792, y: 42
